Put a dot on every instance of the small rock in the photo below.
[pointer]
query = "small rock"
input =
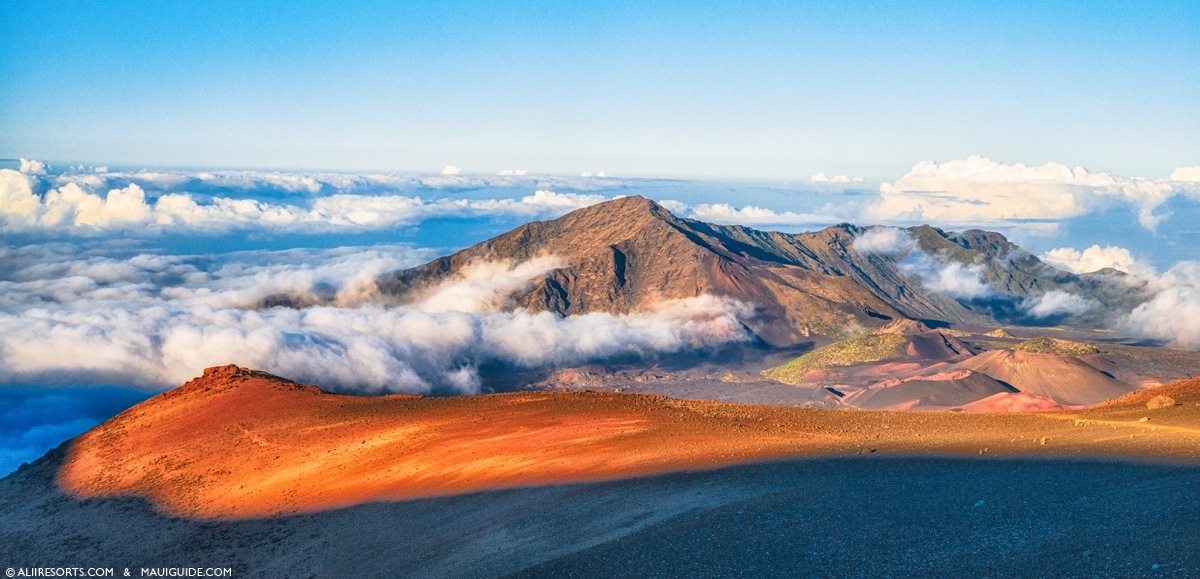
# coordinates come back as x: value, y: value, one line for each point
x: 1160, y: 402
x: 979, y: 504
x: 1087, y: 553
x: 1144, y: 419
x: 1154, y: 566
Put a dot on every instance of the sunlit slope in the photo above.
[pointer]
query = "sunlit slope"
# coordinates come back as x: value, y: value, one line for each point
x: 906, y: 339
x: 630, y: 254
x: 1065, y: 379
x: 238, y: 443
x: 856, y: 350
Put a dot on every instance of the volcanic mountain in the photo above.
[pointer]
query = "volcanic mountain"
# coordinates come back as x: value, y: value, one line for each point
x: 630, y: 254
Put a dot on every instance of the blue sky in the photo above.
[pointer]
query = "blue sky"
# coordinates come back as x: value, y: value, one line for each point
x: 719, y: 90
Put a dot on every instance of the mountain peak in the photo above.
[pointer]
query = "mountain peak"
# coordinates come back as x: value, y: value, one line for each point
x: 632, y: 210
x: 631, y: 254
x: 631, y: 203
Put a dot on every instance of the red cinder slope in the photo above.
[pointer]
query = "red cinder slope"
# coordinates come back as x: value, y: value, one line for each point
x: 238, y: 443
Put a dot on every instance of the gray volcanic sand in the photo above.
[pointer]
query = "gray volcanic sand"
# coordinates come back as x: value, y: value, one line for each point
x: 839, y: 517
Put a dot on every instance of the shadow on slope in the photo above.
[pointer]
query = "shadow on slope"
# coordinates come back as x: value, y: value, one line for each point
x: 845, y: 517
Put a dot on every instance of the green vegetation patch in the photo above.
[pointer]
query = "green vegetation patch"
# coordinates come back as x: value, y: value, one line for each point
x: 865, y: 348
x: 1065, y: 347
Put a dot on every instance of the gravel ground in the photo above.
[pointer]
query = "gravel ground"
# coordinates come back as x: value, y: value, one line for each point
x: 873, y: 516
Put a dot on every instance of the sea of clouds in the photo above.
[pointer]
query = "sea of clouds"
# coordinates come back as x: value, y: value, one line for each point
x: 980, y: 190
x: 107, y: 314
x: 92, y: 293
x: 975, y: 191
x: 145, y: 316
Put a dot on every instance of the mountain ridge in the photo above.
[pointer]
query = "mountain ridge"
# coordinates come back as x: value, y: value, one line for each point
x: 629, y: 254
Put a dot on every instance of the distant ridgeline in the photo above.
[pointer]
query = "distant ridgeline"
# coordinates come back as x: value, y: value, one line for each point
x: 630, y: 254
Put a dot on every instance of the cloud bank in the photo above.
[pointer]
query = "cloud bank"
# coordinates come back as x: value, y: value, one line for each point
x: 79, y: 206
x: 1096, y: 258
x: 1172, y: 314
x: 76, y: 316
x: 975, y: 191
x: 979, y: 190
x: 750, y: 215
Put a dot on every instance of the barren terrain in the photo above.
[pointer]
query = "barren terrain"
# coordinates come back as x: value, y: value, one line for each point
x: 238, y: 443
x: 244, y: 470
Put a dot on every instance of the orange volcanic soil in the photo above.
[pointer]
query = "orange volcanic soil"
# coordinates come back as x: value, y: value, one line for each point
x: 239, y: 443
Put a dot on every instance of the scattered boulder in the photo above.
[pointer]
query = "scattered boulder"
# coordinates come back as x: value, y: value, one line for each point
x: 1160, y: 402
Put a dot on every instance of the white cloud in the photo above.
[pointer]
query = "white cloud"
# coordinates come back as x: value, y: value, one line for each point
x: 451, y: 170
x: 486, y: 286
x: 73, y: 316
x: 74, y: 205
x: 823, y: 178
x: 751, y: 215
x: 517, y: 172
x: 1173, y: 312
x: 542, y: 202
x: 1096, y: 258
x: 884, y: 240
x: 31, y: 167
x: 1186, y: 174
x: 951, y: 278
x: 1057, y: 302
x: 544, y: 198
x: 1172, y: 315
x: 16, y: 196
x: 980, y: 190
x: 676, y: 207
x: 230, y: 182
